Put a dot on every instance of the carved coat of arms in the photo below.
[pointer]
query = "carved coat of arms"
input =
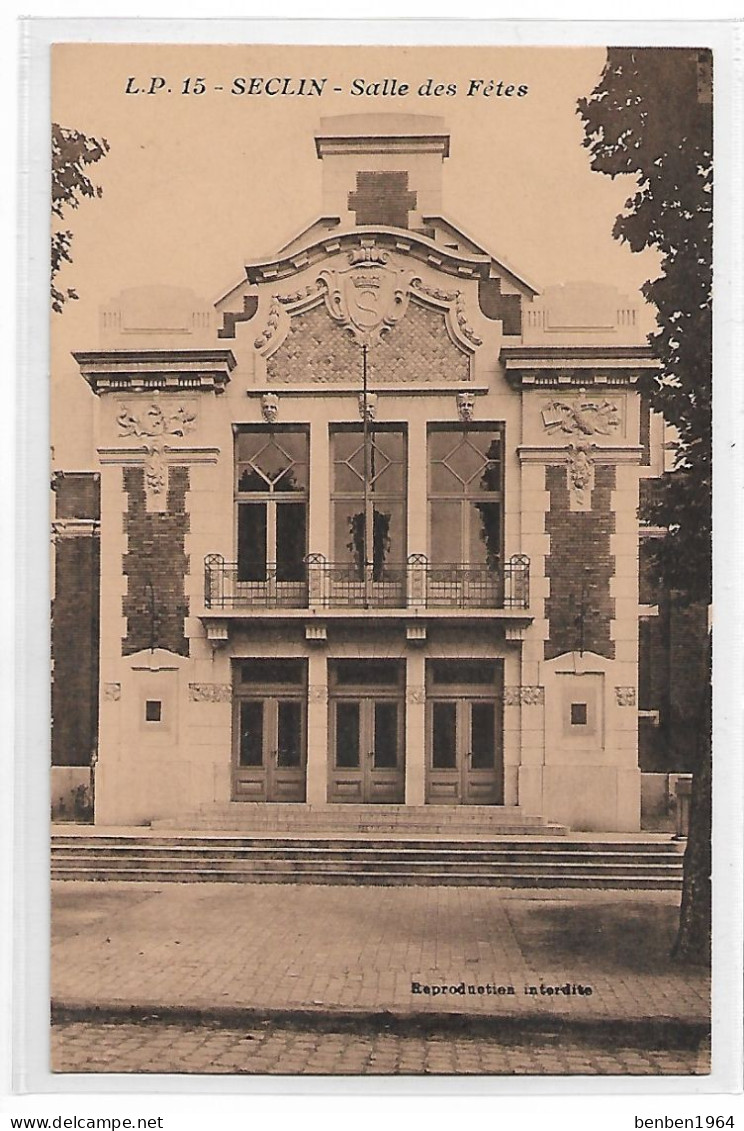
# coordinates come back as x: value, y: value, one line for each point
x: 369, y: 296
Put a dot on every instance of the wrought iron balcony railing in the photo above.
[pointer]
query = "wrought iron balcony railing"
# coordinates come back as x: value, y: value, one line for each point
x: 226, y: 587
x: 417, y: 583
x: 350, y: 586
x: 433, y: 585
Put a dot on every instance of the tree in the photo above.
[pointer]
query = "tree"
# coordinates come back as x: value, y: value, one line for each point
x: 650, y: 116
x: 72, y: 153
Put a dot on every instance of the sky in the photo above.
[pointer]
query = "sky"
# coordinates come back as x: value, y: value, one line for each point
x: 196, y: 185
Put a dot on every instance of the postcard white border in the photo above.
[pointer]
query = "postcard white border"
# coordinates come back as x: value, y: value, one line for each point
x: 31, y: 793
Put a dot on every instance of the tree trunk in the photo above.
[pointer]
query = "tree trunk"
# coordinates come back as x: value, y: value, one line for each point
x: 693, y: 943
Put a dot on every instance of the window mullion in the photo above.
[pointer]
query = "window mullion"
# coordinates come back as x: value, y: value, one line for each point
x: 271, y: 547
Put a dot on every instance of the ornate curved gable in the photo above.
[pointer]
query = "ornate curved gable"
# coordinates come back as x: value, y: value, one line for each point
x: 414, y: 332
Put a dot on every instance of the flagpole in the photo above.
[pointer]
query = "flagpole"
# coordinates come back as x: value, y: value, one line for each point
x: 365, y: 430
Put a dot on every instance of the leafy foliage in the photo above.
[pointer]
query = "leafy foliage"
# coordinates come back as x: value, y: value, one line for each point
x: 72, y: 154
x: 651, y: 117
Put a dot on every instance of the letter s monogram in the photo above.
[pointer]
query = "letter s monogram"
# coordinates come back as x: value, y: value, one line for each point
x: 367, y: 308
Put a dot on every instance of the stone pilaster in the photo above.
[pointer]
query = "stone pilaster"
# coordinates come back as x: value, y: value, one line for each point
x: 415, y: 745
x: 318, y: 751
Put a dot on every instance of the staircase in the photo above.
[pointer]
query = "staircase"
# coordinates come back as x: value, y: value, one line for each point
x: 513, y: 861
x: 251, y: 817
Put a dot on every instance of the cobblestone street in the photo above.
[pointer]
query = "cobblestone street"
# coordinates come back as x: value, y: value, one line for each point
x: 155, y: 1047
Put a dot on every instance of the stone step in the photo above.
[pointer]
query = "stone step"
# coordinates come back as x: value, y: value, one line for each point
x: 405, y: 856
x: 271, y: 809
x: 288, y: 828
x: 95, y: 841
x: 300, y: 870
x: 515, y: 879
x: 251, y: 816
x: 369, y: 857
x: 504, y: 862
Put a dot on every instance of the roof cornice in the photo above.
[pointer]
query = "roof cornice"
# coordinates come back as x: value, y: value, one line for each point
x: 411, y: 243
x: 527, y: 355
x: 149, y: 370
x: 571, y: 367
x: 327, y: 144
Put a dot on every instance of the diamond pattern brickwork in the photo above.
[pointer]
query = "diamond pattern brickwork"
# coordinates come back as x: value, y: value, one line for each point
x: 417, y: 349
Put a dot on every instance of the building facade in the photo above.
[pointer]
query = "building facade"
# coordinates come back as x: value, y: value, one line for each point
x: 368, y: 525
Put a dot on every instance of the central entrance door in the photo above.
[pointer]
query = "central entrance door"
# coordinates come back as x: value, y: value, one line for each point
x: 465, y: 750
x: 269, y: 729
x: 366, y: 704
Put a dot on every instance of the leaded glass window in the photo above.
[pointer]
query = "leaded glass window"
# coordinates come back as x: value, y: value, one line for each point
x: 465, y: 495
x: 271, y: 485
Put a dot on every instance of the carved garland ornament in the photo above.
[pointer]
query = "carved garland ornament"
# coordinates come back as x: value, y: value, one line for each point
x: 272, y: 324
x: 580, y: 475
x: 153, y: 424
x: 466, y: 329
x: 450, y: 297
x: 210, y: 692
x: 580, y: 465
x: 311, y: 291
x: 525, y: 696
x: 434, y: 292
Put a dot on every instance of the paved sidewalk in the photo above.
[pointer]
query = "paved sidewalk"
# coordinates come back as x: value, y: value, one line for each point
x: 227, y: 950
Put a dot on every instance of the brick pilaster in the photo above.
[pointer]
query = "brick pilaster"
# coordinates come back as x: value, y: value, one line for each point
x: 75, y: 619
x: 156, y: 605
x: 580, y: 557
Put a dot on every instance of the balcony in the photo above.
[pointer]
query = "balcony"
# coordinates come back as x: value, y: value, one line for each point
x: 415, y: 584
x: 225, y: 589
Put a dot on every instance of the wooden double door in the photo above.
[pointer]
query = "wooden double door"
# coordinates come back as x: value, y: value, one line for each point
x: 269, y: 726
x: 367, y: 763
x: 464, y: 733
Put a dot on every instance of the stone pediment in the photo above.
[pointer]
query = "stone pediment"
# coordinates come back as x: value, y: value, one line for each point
x: 368, y: 297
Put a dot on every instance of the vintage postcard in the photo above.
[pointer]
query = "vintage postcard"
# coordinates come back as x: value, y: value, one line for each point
x: 381, y: 491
